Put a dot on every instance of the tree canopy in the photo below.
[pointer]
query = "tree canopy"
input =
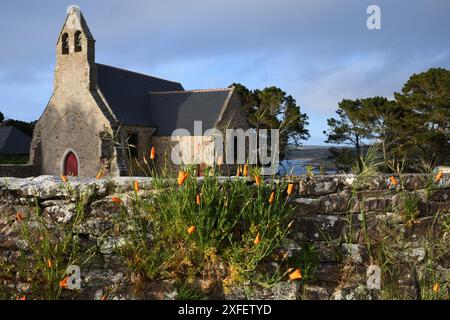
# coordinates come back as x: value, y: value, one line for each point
x: 414, y: 127
x: 272, y: 108
x: 26, y: 127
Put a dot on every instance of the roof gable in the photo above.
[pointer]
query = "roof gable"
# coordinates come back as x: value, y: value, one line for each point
x: 75, y: 22
x: 14, y: 141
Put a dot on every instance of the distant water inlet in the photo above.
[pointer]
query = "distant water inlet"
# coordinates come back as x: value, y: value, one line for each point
x: 298, y: 167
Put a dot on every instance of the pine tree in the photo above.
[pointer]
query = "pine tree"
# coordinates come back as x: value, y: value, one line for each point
x: 271, y: 108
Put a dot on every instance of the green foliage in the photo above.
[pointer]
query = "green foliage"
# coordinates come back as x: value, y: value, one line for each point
x: 425, y: 99
x: 26, y: 127
x: 186, y: 292
x: 369, y: 163
x: 272, y: 108
x: 409, y: 207
x: 49, y: 252
x: 309, y: 171
x: 350, y: 127
x: 446, y: 222
x: 322, y: 170
x: 14, y: 159
x: 229, y: 219
x: 414, y: 128
x: 307, y: 261
x: 343, y: 158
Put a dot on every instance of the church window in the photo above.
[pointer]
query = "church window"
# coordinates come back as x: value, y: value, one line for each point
x: 132, y: 143
x: 65, y: 43
x: 107, y: 146
x: 78, y: 44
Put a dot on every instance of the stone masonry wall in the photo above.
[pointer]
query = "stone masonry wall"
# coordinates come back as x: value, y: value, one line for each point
x: 19, y: 171
x: 346, y: 218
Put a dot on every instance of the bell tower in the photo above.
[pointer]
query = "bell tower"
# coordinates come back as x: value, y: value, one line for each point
x: 75, y: 52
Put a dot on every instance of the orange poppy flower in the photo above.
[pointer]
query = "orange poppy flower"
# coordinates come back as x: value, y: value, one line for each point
x: 393, y: 180
x: 104, y: 298
x: 136, y: 186
x: 257, y: 180
x: 238, y: 172
x: 63, y: 283
x: 296, y: 275
x: 436, y: 287
x: 153, y: 154
x: 272, y: 198
x: 116, y: 200
x: 182, y: 176
x: 64, y: 178
x: 191, y: 230
x: 49, y: 263
x: 22, y: 298
x: 100, y: 175
x: 439, y: 176
x: 220, y: 161
x: 19, y: 216
x: 290, y: 189
x: 245, y: 172
x: 198, y: 200
x: 257, y: 239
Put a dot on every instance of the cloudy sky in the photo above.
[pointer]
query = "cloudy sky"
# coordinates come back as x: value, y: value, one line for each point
x: 319, y: 51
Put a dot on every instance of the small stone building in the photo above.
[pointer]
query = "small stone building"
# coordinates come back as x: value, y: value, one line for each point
x: 105, y: 118
x: 13, y: 141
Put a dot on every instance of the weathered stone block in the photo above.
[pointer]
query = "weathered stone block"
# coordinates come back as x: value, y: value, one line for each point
x: 375, y: 183
x: 312, y: 292
x: 328, y: 273
x: 60, y: 214
x: 335, y: 203
x: 327, y: 252
x: 306, y: 206
x: 438, y: 207
x: 356, y: 252
x: 378, y: 204
x: 352, y: 292
x: 318, y: 228
x: 96, y: 227
x: 440, y: 195
x: 414, y: 181
x: 326, y: 185
x: 373, y: 231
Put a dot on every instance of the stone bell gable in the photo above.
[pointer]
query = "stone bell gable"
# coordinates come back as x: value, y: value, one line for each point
x: 102, y: 118
x: 75, y: 117
x: 75, y: 53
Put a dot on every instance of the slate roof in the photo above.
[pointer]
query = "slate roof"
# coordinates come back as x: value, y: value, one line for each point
x: 140, y: 100
x: 126, y: 93
x: 176, y: 110
x: 14, y: 141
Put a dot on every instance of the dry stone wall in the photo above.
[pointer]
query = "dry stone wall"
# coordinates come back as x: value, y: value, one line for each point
x: 351, y: 222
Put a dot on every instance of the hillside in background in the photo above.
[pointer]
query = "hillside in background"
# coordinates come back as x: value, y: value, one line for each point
x: 297, y: 158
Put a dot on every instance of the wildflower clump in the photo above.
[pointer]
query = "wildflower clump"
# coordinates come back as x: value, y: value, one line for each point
x: 202, y: 227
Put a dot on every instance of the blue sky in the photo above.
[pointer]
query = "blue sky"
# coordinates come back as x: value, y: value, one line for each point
x: 318, y: 51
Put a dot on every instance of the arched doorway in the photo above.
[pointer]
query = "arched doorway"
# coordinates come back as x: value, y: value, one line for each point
x: 71, y: 165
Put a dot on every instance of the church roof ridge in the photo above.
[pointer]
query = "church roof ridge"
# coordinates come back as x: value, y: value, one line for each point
x: 134, y: 72
x: 192, y: 91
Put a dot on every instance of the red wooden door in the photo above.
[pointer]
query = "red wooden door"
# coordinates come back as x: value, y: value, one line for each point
x: 71, y: 165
